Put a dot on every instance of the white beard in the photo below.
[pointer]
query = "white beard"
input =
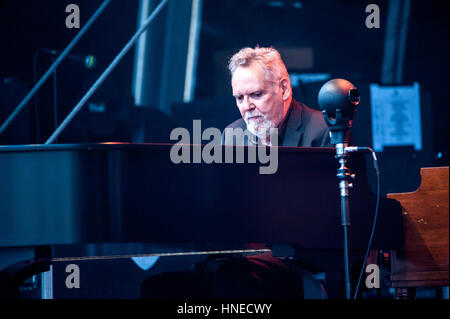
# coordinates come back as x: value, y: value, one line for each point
x: 262, y: 130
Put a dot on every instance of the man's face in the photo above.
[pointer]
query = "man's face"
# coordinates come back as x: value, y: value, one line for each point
x: 259, y: 98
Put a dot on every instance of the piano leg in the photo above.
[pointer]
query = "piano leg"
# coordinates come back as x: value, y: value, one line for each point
x: 19, y: 270
x: 15, y: 275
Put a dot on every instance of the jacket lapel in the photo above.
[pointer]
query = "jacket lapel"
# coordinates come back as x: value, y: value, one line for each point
x: 293, y: 132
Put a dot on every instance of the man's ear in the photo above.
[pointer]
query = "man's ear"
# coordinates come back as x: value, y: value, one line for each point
x: 285, y: 88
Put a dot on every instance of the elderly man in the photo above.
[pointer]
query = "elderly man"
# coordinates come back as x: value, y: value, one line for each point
x: 263, y: 94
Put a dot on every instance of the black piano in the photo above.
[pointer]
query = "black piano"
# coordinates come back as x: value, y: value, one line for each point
x: 59, y: 202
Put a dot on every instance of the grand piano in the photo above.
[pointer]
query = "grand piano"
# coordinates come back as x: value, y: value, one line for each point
x: 424, y: 260
x: 63, y: 202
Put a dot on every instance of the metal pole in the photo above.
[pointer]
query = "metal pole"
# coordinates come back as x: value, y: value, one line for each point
x: 54, y: 66
x: 55, y: 99
x: 105, y: 73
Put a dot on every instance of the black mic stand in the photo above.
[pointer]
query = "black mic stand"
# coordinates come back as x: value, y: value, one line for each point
x: 339, y: 128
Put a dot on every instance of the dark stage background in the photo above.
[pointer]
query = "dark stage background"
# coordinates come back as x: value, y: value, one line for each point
x: 330, y: 37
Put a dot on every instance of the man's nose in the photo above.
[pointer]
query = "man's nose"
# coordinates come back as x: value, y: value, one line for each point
x: 247, y: 104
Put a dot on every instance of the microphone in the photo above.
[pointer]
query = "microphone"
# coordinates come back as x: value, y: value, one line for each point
x: 88, y: 61
x: 338, y: 94
x: 338, y: 99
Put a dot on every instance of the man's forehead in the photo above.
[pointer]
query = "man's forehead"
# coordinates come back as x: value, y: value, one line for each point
x: 248, y: 78
x: 252, y: 69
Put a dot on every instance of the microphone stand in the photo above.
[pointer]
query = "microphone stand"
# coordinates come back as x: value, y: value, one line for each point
x: 339, y: 128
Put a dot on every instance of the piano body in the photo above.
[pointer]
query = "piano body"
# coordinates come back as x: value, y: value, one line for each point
x: 424, y: 260
x: 107, y: 200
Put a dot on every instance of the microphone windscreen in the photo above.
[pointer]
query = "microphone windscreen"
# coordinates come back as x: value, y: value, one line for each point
x: 338, y: 94
x: 90, y: 62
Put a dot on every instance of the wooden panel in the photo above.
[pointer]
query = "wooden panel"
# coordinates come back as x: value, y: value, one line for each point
x: 426, y: 231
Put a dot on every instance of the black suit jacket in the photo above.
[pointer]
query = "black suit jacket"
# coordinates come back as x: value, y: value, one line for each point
x: 304, y: 127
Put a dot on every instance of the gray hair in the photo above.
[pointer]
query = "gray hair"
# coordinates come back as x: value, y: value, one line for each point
x: 268, y: 58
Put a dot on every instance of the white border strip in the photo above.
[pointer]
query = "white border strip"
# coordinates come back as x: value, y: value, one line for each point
x: 262, y: 250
